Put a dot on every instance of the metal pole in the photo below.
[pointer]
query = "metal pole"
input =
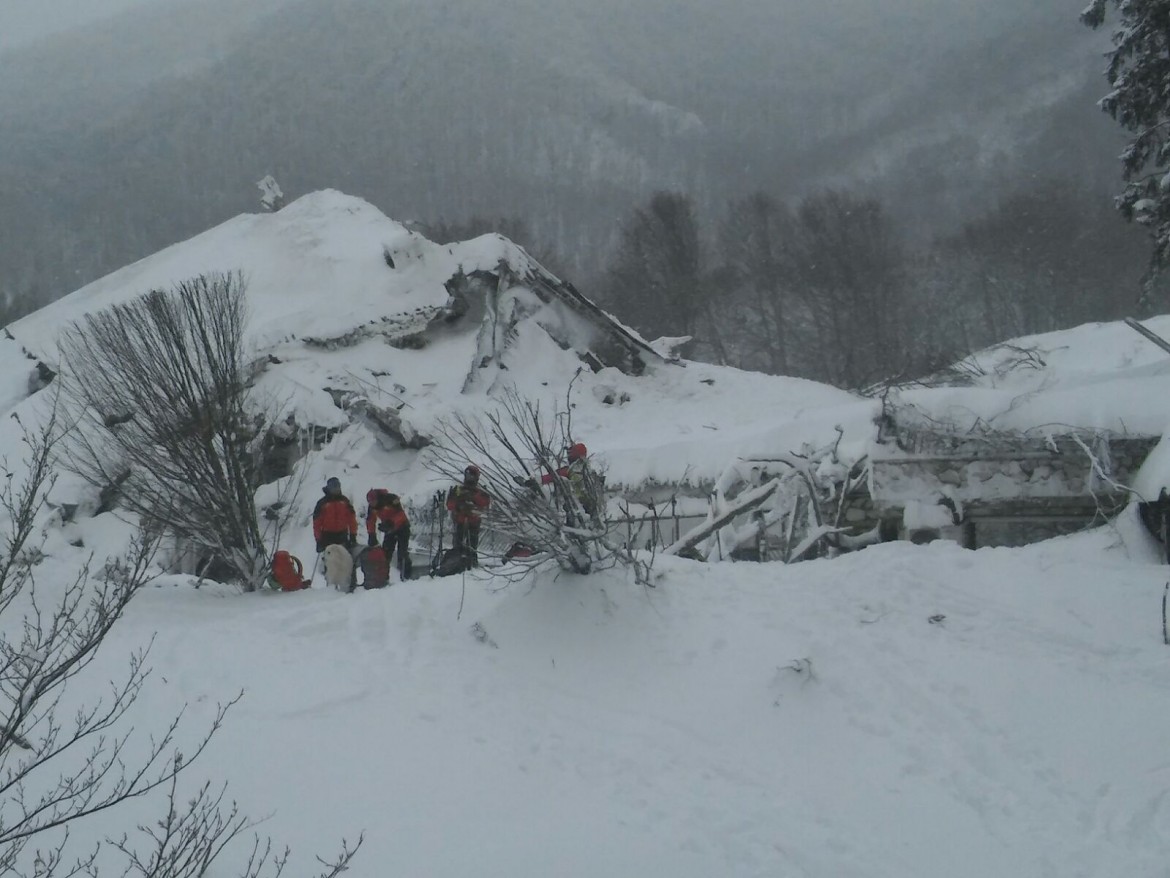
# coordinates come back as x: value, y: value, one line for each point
x: 1148, y: 333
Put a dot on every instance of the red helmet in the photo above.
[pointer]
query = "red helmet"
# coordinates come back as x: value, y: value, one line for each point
x: 577, y: 451
x: 376, y: 496
x: 471, y: 473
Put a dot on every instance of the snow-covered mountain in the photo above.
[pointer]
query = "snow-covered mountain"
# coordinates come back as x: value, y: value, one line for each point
x: 561, y: 114
x: 900, y: 711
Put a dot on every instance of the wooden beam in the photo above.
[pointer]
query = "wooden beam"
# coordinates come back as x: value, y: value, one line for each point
x: 744, y: 503
x: 1148, y: 333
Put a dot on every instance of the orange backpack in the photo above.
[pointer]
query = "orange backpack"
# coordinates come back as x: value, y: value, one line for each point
x: 287, y: 572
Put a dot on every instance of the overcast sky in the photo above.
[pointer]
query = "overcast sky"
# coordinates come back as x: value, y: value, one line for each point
x: 25, y: 21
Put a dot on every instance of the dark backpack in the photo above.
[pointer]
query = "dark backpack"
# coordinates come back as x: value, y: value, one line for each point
x: 452, y: 561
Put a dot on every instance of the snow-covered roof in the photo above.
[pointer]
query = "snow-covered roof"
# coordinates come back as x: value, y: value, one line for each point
x: 330, y: 280
x: 1099, y: 377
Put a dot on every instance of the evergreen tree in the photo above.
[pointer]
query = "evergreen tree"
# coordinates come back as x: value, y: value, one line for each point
x: 1139, y: 74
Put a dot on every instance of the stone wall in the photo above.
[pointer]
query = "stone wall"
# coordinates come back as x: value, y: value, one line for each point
x: 1020, y: 492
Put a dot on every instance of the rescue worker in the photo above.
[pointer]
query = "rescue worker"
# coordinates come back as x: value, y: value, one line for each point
x: 467, y: 502
x: 576, y: 472
x: 385, y: 513
x: 334, y: 520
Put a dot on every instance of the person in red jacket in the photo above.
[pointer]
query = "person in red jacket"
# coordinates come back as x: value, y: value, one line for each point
x: 385, y: 513
x: 576, y: 473
x: 334, y: 521
x: 467, y: 503
x: 574, y: 470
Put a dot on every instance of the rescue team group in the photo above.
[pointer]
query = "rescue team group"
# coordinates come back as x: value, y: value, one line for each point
x: 335, y: 523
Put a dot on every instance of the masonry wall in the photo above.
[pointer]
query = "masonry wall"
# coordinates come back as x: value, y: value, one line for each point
x: 1038, y: 490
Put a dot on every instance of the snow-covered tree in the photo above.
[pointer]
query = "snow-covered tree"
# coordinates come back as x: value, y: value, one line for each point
x: 1139, y: 100
x: 271, y: 196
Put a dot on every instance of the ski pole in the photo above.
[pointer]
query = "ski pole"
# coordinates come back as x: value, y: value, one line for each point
x: 1165, y: 634
x: 438, y: 513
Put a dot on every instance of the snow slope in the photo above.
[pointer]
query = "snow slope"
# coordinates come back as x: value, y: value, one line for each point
x: 905, y: 711
x: 770, y: 721
x: 317, y: 268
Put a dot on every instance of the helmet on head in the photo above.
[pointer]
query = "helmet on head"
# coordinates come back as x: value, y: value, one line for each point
x: 471, y: 473
x: 333, y: 485
x: 577, y: 451
x: 380, y: 496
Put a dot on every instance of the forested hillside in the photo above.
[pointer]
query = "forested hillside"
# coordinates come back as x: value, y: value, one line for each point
x: 553, y: 121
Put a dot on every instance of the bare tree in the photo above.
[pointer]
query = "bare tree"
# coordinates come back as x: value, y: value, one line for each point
x: 520, y: 451
x: 191, y: 835
x: 757, y: 246
x: 659, y: 280
x: 852, y: 280
x: 58, y: 766
x: 159, y: 389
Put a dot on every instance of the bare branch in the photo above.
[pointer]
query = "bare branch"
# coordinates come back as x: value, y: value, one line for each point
x: 59, y: 767
x: 159, y: 390
x: 538, y: 498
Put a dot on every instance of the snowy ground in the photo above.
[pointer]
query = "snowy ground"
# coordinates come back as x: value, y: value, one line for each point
x: 747, y: 720
x: 904, y: 711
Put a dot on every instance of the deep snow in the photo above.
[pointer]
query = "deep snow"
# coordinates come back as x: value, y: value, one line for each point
x: 744, y: 720
x: 902, y: 711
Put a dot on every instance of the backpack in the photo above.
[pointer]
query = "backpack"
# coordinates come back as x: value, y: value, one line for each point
x: 375, y: 567
x: 287, y: 572
x: 453, y: 561
x: 519, y: 550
